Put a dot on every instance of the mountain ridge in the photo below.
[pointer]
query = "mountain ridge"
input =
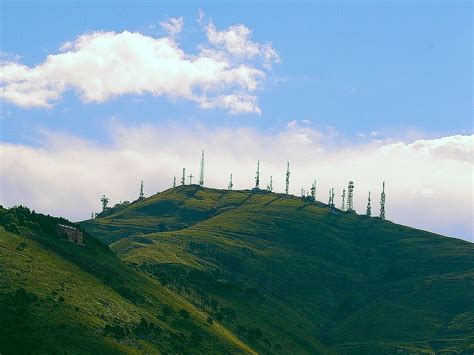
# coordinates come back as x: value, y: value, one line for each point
x: 328, y: 268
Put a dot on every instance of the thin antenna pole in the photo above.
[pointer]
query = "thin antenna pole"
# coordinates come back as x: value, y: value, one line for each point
x: 174, y: 181
x: 369, y: 207
x: 343, y: 206
x: 257, y: 177
x: 287, y: 177
x: 141, y: 191
x: 190, y: 179
x: 382, y: 202
x: 231, y: 185
x: 183, y: 178
x: 201, y: 174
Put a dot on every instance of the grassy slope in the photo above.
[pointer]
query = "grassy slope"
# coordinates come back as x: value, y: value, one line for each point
x: 80, y: 299
x: 300, y: 274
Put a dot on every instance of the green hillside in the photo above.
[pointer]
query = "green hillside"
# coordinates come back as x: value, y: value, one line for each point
x: 60, y: 297
x: 286, y: 276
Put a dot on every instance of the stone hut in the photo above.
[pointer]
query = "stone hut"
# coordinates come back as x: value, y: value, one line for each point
x: 73, y: 234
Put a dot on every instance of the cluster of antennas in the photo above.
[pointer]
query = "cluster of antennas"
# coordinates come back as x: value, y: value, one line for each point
x: 347, y: 201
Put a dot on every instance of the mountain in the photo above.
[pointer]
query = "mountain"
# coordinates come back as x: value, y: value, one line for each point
x: 285, y: 275
x: 61, y: 297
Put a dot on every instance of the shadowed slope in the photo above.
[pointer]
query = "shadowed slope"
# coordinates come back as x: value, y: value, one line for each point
x: 57, y: 297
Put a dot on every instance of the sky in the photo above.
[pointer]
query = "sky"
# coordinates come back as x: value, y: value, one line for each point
x: 97, y: 96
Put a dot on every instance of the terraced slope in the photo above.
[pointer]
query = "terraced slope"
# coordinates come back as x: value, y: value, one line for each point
x: 287, y: 276
x: 59, y: 297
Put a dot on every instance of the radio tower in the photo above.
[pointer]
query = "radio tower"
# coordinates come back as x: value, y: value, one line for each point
x: 343, y: 206
x: 174, y: 181
x: 231, y: 185
x: 257, y: 178
x: 183, y: 178
x: 287, y: 177
x: 141, y: 196
x: 190, y: 179
x: 369, y: 208
x: 105, y: 201
x: 201, y: 174
x: 313, y: 191
x: 270, y: 185
x: 382, y: 202
x: 350, y: 196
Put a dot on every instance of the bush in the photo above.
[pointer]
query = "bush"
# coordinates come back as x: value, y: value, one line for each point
x: 184, y: 314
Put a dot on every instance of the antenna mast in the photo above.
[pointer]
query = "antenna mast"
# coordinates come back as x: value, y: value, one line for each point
x: 141, y: 191
x: 287, y: 177
x: 343, y: 206
x: 174, y: 181
x: 231, y: 185
x: 183, y: 178
x: 350, y: 196
x: 104, y: 201
x: 313, y: 191
x: 369, y: 207
x: 382, y: 202
x: 270, y: 185
x: 190, y: 179
x: 201, y: 174
x: 257, y: 178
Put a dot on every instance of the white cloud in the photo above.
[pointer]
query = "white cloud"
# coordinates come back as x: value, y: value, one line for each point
x: 173, y: 25
x: 428, y: 182
x: 236, y: 42
x: 100, y: 66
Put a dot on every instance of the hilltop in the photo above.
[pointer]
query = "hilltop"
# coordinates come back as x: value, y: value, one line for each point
x: 289, y: 276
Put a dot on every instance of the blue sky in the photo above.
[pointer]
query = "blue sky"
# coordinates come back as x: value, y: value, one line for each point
x: 355, y: 66
x: 347, y: 90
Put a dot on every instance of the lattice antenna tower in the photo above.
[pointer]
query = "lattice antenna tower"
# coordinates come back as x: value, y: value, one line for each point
x: 183, y: 178
x: 382, y: 202
x: 141, y: 195
x: 231, y: 185
x: 343, y: 206
x: 287, y: 177
x: 105, y: 201
x: 257, y: 177
x: 332, y: 197
x: 174, y: 181
x: 313, y: 191
x: 201, y: 173
x: 350, y: 196
x: 369, y: 207
x: 270, y: 184
x: 190, y: 176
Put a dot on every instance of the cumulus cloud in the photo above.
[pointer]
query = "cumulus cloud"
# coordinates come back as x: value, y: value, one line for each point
x: 236, y: 41
x: 428, y: 182
x: 100, y: 66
